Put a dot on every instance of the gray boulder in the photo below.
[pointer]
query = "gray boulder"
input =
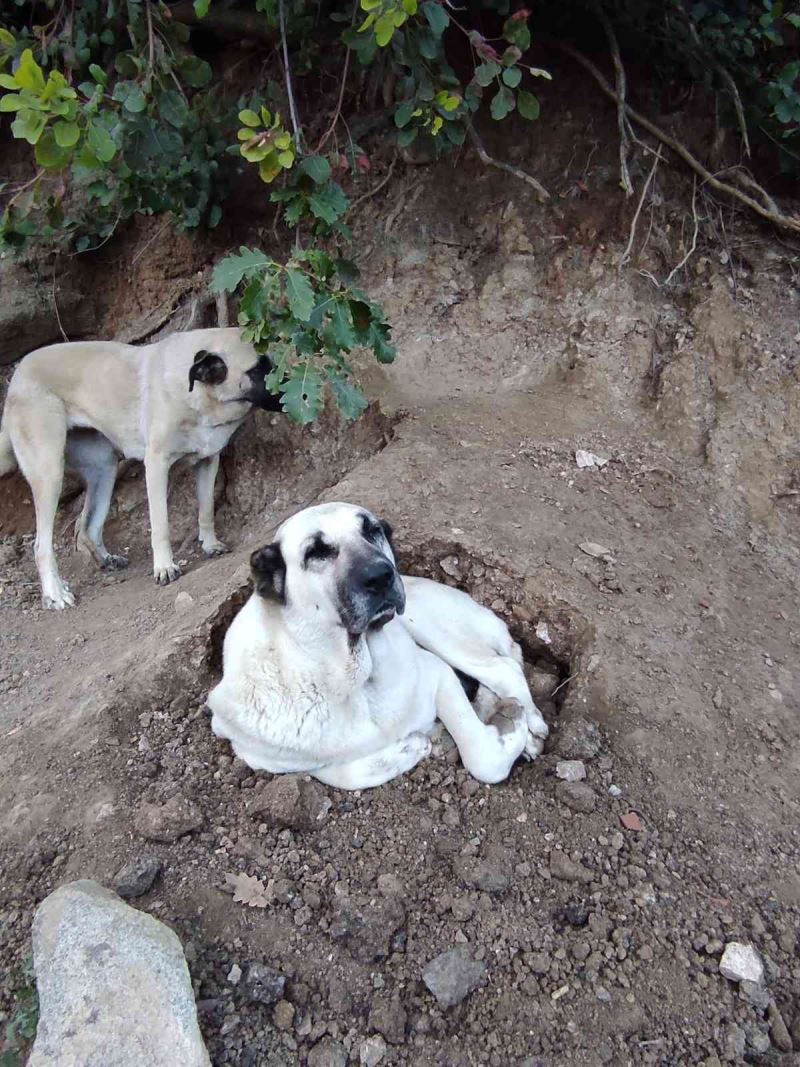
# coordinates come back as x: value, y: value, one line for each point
x: 114, y: 988
x: 28, y: 317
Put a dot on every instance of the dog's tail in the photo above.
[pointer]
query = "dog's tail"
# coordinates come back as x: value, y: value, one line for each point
x: 8, y: 461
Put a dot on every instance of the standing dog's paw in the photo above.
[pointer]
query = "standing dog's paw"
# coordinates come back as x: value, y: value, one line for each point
x: 214, y: 548
x: 114, y: 563
x: 58, y: 598
x: 165, y: 575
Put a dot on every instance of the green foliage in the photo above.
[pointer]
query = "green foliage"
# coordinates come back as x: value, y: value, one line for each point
x: 136, y: 134
x: 266, y: 142
x: 122, y: 115
x: 20, y: 1030
x: 308, y: 316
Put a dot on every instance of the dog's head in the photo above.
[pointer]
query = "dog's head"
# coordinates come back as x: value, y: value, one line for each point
x: 333, y: 565
x: 231, y: 370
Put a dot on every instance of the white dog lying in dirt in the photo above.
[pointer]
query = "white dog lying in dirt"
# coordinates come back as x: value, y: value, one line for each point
x: 339, y: 668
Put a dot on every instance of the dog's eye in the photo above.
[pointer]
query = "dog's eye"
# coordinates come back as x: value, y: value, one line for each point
x: 370, y: 530
x: 319, y: 550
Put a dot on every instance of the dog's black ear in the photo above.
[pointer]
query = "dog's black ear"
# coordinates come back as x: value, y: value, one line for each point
x: 269, y: 572
x: 387, y: 531
x: 208, y: 368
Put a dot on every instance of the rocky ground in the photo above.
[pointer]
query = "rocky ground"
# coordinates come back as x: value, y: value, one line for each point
x: 435, y: 920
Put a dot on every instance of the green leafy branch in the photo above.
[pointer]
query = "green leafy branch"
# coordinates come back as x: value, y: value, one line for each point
x: 308, y: 315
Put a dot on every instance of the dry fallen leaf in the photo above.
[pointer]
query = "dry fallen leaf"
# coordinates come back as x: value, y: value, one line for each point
x: 631, y: 821
x: 249, y: 890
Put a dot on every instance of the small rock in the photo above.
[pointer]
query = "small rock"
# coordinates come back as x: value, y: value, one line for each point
x: 389, y: 885
x: 235, y: 974
x: 571, y: 770
x: 578, y: 739
x: 632, y: 822
x: 183, y: 601
x: 614, y: 791
x: 371, y: 1051
x: 137, y: 876
x: 452, y: 976
x: 754, y: 993
x: 264, y: 985
x: 591, y: 548
x: 167, y: 822
x: 576, y: 915
x: 327, y: 1053
x: 542, y: 680
x: 283, y: 1015
x: 565, y: 869
x: 490, y: 875
x: 718, y: 698
x: 389, y: 1018
x: 741, y: 963
x: 291, y: 801
x: 778, y: 1029
x: 110, y: 978
x: 450, y: 566
x: 578, y: 796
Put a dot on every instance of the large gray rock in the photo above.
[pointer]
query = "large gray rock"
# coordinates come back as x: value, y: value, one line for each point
x: 28, y: 317
x: 114, y: 988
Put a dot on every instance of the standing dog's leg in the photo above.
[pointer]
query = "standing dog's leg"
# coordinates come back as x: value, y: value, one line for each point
x: 156, y: 470
x: 488, y: 751
x: 93, y: 457
x: 38, y: 433
x: 205, y: 473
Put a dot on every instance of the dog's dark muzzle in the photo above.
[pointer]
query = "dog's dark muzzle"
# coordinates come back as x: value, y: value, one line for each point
x: 258, y: 393
x: 374, y: 594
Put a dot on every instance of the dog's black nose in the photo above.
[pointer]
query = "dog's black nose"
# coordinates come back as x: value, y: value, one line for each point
x: 377, y: 576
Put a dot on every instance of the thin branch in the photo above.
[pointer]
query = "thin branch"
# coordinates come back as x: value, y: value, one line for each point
x: 509, y: 168
x: 338, y: 110
x: 693, y: 246
x: 621, y: 81
x: 626, y: 254
x: 55, y: 305
x: 786, y: 222
x: 298, y: 133
x: 723, y: 72
x: 151, y: 44
x: 378, y: 187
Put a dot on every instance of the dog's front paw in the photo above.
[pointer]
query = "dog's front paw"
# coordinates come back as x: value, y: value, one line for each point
x: 537, y: 734
x: 164, y: 575
x: 214, y: 548
x: 58, y: 597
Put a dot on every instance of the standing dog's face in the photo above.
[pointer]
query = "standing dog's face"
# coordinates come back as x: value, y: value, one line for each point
x: 333, y: 565
x: 234, y: 373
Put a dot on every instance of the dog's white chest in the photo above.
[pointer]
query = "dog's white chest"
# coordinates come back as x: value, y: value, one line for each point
x: 205, y: 439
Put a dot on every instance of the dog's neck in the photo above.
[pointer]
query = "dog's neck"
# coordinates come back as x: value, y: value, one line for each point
x: 328, y: 652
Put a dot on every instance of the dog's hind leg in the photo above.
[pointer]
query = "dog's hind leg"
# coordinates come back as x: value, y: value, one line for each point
x: 487, y: 750
x: 380, y: 767
x: 93, y: 457
x: 205, y: 473
x: 38, y: 432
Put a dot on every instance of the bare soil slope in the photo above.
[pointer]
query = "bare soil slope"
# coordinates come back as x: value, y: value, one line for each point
x: 676, y: 652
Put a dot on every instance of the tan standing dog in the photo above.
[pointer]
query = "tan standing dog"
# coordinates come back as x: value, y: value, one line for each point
x: 86, y: 403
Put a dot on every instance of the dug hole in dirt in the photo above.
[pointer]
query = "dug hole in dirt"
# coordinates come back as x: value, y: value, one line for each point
x: 655, y: 597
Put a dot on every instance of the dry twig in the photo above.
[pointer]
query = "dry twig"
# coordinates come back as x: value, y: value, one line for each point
x: 693, y: 245
x: 378, y: 187
x: 509, y: 168
x: 622, y: 121
x: 777, y: 218
x: 288, y: 77
x: 627, y: 253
